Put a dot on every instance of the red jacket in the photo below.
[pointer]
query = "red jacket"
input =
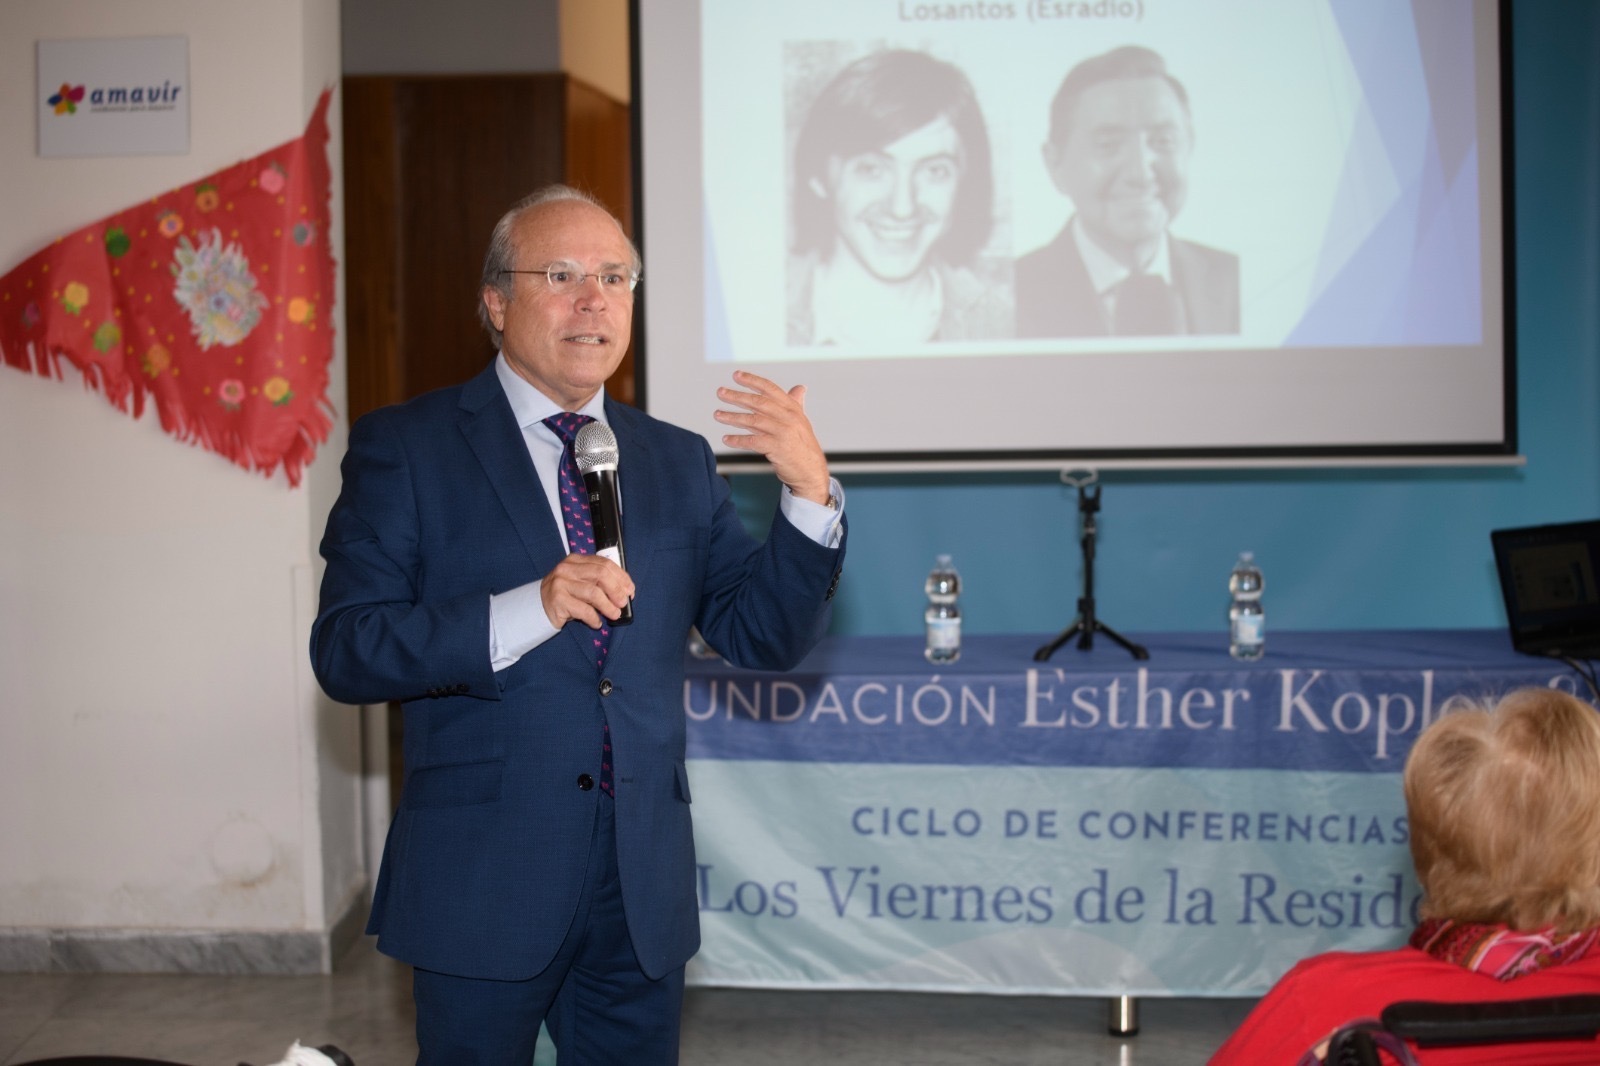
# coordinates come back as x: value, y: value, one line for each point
x: 1325, y: 992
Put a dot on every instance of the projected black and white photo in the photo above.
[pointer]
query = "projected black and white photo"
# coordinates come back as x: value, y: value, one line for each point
x: 893, y: 204
x: 1243, y: 228
x: 1119, y: 146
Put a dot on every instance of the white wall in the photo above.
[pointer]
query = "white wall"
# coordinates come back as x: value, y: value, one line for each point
x: 594, y: 45
x: 585, y: 38
x: 167, y: 764
x: 459, y: 37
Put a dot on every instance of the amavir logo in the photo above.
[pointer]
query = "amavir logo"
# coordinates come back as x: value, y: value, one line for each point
x: 66, y: 101
x: 163, y: 97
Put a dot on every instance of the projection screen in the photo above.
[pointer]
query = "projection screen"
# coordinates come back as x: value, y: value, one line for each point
x: 1015, y: 233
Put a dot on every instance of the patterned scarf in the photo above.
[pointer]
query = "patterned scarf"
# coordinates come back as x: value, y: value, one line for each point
x: 1500, y: 952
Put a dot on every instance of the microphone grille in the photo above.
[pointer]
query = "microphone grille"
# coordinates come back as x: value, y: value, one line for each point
x: 595, y: 448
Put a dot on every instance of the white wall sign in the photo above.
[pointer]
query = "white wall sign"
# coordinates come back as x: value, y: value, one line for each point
x: 114, y: 96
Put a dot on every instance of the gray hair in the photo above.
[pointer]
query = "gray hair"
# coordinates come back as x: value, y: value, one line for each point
x: 502, y: 248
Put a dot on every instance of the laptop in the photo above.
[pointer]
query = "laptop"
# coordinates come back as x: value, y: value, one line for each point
x: 1550, y: 580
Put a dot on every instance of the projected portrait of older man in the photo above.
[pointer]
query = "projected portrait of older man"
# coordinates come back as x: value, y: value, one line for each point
x: 893, y: 196
x: 1120, y: 141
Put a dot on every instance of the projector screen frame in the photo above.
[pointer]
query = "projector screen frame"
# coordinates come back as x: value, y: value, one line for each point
x: 1501, y: 452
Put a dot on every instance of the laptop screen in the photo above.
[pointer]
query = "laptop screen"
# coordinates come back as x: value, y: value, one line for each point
x: 1550, y: 580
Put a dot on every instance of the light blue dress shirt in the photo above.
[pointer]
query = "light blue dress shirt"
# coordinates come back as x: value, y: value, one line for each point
x: 517, y: 622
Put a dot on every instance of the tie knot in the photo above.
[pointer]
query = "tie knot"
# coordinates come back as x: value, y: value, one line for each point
x: 566, y: 424
x: 1141, y: 281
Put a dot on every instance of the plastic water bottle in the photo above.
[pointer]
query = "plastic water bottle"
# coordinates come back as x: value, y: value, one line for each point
x: 943, y: 616
x: 1247, y: 618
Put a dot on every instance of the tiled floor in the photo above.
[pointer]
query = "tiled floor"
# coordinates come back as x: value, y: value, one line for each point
x: 365, y: 1008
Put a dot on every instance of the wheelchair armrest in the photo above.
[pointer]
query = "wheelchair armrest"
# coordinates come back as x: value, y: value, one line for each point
x: 1505, y: 1021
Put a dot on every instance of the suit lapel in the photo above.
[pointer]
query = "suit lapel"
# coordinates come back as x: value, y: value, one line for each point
x: 1194, y: 284
x: 1079, y: 304
x: 491, y: 431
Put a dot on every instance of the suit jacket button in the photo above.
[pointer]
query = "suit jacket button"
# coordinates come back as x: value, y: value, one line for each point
x: 585, y: 782
x: 605, y: 686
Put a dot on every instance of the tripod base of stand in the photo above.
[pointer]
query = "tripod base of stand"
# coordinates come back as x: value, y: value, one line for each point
x: 1087, y: 624
x: 1085, y: 632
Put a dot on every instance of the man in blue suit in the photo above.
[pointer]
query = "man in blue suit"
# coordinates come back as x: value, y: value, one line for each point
x: 540, y: 867
x: 1121, y: 136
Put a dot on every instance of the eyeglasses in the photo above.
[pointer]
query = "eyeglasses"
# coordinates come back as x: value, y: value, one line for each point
x: 566, y: 278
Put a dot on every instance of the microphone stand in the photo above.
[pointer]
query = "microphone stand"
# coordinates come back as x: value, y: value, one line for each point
x: 1087, y: 625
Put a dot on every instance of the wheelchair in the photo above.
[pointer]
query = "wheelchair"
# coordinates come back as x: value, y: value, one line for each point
x: 1407, y: 1028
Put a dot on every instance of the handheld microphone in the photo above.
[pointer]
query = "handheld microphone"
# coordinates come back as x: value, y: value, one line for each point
x: 595, y: 448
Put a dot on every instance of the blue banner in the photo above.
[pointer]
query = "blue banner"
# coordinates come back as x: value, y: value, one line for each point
x: 1089, y: 825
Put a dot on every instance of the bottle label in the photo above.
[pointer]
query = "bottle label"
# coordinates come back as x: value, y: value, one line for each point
x: 944, y: 634
x: 1249, y: 629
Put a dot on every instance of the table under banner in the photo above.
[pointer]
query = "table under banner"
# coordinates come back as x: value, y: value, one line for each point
x: 1088, y: 825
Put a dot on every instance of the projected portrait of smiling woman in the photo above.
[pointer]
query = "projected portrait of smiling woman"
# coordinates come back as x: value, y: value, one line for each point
x: 893, y: 194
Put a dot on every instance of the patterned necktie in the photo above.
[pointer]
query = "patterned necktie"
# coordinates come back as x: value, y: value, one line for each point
x: 580, y: 539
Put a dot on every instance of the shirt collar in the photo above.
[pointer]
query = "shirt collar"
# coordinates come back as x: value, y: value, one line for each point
x: 1105, y: 272
x: 530, y: 406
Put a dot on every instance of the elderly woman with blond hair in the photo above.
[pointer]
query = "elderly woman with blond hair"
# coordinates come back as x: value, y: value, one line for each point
x: 1504, y: 806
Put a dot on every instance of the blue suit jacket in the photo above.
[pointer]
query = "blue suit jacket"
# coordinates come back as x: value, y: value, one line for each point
x: 441, y: 507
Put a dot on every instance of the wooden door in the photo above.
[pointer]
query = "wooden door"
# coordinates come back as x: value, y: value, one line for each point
x: 430, y: 165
